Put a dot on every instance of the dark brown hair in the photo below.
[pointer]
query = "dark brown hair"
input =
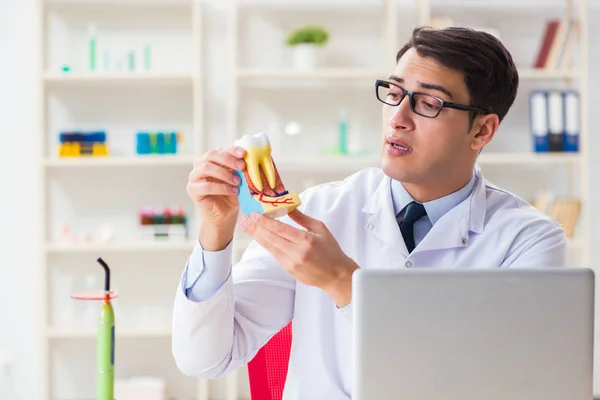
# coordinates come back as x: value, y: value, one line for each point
x: 489, y: 72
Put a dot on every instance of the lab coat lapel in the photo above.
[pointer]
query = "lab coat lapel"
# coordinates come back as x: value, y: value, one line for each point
x: 450, y: 231
x: 383, y: 223
x: 453, y: 229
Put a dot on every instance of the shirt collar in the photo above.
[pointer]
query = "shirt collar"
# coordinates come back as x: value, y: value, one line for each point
x: 435, y: 208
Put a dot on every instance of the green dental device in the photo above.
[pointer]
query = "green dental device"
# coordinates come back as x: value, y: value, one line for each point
x: 105, y: 346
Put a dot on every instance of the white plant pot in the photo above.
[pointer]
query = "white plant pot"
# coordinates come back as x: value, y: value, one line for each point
x: 305, y: 56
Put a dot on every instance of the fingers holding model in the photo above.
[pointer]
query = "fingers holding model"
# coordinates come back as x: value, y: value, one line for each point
x: 213, y: 186
x: 312, y: 256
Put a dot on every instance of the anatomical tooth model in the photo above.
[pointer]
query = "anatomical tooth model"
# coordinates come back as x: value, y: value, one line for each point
x: 261, y: 189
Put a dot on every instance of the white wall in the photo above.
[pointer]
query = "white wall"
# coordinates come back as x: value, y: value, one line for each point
x: 19, y: 324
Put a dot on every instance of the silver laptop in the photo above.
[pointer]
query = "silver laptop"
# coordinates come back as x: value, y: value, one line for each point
x: 473, y: 334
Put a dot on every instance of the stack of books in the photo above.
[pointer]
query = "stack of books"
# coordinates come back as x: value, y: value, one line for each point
x: 564, y: 210
x: 558, y: 43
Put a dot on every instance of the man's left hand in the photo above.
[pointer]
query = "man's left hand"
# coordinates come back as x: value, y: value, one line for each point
x: 312, y: 256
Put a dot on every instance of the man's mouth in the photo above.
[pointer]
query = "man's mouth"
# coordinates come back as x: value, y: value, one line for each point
x: 399, y: 147
x: 398, y: 143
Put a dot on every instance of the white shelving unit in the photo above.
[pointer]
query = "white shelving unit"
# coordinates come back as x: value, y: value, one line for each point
x: 255, y: 89
x: 167, y: 96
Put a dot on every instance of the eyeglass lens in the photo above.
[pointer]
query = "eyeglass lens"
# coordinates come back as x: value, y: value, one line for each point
x: 422, y: 104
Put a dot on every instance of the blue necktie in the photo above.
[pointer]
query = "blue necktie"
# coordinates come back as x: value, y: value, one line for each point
x: 414, y: 211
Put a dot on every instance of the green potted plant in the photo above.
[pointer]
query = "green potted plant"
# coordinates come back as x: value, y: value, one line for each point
x: 305, y: 42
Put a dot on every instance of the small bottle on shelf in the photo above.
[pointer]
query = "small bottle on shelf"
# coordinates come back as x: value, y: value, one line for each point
x: 92, y: 41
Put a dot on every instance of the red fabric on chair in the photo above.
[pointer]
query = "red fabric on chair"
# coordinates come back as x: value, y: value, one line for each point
x: 268, y: 369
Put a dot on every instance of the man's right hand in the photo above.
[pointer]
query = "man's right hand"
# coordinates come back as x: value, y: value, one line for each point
x: 213, y: 186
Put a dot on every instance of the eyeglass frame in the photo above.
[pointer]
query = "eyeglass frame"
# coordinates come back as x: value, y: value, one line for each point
x: 411, y: 102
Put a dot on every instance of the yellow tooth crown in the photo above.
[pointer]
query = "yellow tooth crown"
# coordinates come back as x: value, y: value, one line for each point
x: 258, y: 157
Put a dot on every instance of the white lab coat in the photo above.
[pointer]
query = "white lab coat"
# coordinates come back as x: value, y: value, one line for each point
x: 491, y: 228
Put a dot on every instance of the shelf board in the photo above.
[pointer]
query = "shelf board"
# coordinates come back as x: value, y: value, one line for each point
x: 91, y: 333
x: 372, y: 74
x: 350, y: 163
x: 541, y: 74
x: 58, y: 248
x: 528, y: 158
x: 118, y: 161
x: 327, y: 163
x: 126, y: 3
x: 318, y: 74
x: 506, y: 5
x: 125, y: 78
x: 334, y: 5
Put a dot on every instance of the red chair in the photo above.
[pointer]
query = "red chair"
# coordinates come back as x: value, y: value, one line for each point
x: 268, y: 369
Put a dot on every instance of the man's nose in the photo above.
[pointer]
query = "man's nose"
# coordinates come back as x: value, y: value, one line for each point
x: 401, y: 117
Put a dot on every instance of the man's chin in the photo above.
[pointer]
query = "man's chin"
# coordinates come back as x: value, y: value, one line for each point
x: 394, y: 170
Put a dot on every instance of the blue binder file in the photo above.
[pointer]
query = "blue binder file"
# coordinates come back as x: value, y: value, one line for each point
x: 538, y: 103
x: 556, y: 120
x: 572, y: 126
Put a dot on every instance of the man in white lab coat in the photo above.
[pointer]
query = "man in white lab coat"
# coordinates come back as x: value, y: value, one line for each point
x: 427, y: 207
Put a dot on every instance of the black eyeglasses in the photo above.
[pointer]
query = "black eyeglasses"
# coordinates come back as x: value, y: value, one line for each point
x: 423, y: 104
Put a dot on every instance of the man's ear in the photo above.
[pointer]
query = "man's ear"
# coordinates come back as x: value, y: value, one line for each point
x: 483, y: 130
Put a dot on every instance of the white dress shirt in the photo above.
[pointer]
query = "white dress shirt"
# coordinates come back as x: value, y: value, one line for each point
x: 223, y: 315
